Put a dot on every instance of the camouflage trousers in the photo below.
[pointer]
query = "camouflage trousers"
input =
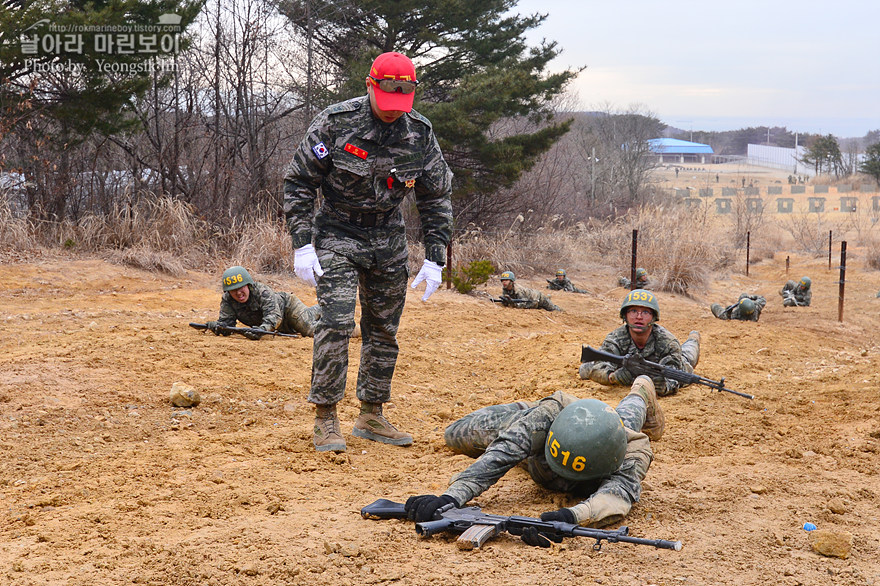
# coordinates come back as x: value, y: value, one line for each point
x: 473, y: 433
x: 382, y: 295
x: 299, y: 319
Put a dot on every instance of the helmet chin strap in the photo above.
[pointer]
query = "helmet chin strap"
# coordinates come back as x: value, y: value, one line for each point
x: 640, y: 329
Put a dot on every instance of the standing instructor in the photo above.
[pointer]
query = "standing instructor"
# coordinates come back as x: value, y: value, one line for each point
x: 365, y: 155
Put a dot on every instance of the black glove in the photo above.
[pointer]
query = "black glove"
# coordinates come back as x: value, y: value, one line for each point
x: 212, y: 325
x: 564, y: 515
x: 252, y: 335
x: 531, y: 536
x: 422, y: 508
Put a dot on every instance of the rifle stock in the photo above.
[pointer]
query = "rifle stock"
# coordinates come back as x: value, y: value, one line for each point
x: 477, y: 527
x: 638, y: 365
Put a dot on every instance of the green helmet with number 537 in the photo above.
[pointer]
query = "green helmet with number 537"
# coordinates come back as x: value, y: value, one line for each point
x: 235, y: 278
x: 640, y: 298
x: 586, y: 441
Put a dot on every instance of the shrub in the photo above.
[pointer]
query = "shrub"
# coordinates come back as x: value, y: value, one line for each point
x: 468, y: 277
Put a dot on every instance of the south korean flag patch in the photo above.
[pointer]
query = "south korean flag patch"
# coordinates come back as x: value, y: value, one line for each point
x: 320, y: 150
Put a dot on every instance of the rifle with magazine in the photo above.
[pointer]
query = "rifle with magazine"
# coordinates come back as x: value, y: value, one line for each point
x: 477, y: 527
x: 638, y: 365
x: 508, y: 301
x: 250, y: 333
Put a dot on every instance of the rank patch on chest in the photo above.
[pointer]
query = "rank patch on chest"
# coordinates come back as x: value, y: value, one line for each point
x: 410, y: 183
x: 350, y: 148
x: 320, y: 150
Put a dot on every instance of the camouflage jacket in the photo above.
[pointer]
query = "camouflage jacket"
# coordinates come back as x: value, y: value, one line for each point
x: 662, y: 347
x: 794, y: 290
x: 531, y: 299
x: 263, y: 309
x: 733, y: 311
x: 364, y: 166
x: 563, y: 285
x: 522, y: 443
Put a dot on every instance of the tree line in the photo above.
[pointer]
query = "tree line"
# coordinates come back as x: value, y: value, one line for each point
x: 213, y: 120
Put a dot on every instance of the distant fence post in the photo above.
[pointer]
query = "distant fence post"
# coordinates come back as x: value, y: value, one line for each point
x: 632, y: 269
x: 829, y: 250
x: 842, y: 280
x: 787, y: 262
x: 748, y: 246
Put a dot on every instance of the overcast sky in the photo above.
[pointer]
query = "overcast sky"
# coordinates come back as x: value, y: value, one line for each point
x: 702, y: 65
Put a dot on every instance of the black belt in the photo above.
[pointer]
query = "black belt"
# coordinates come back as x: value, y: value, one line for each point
x: 362, y: 219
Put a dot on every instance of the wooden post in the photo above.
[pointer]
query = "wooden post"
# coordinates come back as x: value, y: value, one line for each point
x: 787, y: 262
x: 829, y: 250
x: 449, y: 264
x: 748, y: 246
x: 632, y: 271
x: 842, y: 280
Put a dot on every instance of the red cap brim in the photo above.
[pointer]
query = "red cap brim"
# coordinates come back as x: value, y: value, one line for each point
x: 389, y: 101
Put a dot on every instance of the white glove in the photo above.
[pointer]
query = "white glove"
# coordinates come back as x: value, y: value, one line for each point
x: 306, y: 265
x: 431, y: 273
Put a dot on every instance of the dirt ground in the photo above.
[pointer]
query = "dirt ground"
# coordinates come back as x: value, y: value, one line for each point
x: 102, y: 481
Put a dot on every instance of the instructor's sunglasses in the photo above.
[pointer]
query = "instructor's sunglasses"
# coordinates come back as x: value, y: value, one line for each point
x: 395, y: 85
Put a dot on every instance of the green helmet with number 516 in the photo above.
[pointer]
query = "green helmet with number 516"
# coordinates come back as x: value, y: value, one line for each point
x: 746, y: 306
x: 235, y: 278
x: 640, y: 298
x: 586, y: 441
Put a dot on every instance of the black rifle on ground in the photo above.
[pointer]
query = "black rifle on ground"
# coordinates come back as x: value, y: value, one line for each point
x: 507, y: 300
x: 638, y: 365
x: 247, y: 332
x: 477, y: 527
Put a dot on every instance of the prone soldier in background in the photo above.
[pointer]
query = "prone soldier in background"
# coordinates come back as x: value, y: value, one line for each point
x: 562, y: 283
x: 514, y: 295
x: 641, y: 280
x: 258, y: 306
x: 797, y: 293
x: 747, y: 308
x: 641, y: 335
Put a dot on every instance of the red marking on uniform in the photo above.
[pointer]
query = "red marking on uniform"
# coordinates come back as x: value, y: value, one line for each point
x: 350, y: 148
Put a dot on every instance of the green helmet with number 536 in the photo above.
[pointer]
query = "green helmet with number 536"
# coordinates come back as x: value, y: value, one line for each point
x: 235, y: 278
x: 586, y: 441
x: 640, y: 298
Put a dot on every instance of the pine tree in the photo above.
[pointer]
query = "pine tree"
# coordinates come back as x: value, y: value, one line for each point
x: 64, y: 77
x: 477, y: 75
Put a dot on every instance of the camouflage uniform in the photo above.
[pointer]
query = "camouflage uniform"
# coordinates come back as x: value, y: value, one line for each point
x: 733, y: 311
x: 641, y: 283
x: 502, y: 436
x: 795, y: 295
x: 532, y: 299
x: 563, y: 285
x: 364, y: 169
x: 662, y: 348
x: 270, y: 311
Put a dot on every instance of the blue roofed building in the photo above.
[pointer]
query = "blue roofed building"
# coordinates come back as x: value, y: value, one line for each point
x: 674, y: 150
